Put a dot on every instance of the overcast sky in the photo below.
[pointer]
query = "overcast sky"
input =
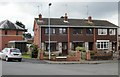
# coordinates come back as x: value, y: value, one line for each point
x: 26, y: 11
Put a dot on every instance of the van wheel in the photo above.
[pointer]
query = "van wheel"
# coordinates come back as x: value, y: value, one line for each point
x: 6, y: 59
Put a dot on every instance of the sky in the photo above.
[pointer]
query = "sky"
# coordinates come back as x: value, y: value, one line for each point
x: 26, y: 11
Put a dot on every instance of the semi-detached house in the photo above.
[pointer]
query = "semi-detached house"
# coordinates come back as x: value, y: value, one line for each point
x: 66, y: 34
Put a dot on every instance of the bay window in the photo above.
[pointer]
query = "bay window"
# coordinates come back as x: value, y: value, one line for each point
x: 102, y: 44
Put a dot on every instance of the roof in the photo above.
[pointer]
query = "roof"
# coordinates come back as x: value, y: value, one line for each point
x: 75, y: 22
x: 6, y: 24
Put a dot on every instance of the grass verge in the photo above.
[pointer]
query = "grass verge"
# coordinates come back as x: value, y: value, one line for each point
x: 26, y: 56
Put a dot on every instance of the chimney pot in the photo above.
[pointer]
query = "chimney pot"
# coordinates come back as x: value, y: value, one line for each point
x: 40, y: 16
x: 66, y: 17
x: 90, y: 19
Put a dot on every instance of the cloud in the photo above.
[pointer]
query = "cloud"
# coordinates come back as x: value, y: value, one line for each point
x: 26, y: 11
x: 59, y: 1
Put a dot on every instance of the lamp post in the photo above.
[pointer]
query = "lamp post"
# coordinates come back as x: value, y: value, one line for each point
x: 49, y: 31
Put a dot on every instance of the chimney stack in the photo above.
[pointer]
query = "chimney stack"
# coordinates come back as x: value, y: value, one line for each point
x: 89, y: 19
x: 40, y: 17
x: 66, y: 17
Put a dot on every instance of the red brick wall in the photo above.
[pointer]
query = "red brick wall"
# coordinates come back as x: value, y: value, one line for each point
x: 11, y: 36
x: 36, y: 35
x: 74, y: 37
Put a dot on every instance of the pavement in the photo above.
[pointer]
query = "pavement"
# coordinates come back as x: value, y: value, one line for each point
x: 34, y: 61
x: 69, y: 62
x: 82, y: 62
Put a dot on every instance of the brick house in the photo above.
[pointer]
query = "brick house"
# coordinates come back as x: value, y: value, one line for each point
x: 67, y: 34
x: 9, y: 32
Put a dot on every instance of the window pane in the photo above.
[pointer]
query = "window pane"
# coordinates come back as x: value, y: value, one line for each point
x: 6, y: 32
x: 102, y: 31
x: 98, y: 44
x: 46, y: 30
x: 105, y: 45
x: 53, y: 31
x: 112, y: 31
x: 64, y: 30
x: 52, y: 46
x: 102, y: 45
x: 16, y: 32
x: 60, y: 30
x: 89, y: 31
x: 77, y: 31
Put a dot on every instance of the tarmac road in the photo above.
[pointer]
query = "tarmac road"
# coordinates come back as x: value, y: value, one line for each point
x: 43, y: 68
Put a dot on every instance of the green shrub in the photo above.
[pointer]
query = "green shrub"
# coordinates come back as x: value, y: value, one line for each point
x: 72, y: 53
x: 34, y: 53
x: 83, y: 55
x: 78, y: 48
x: 92, y: 53
x: 24, y: 53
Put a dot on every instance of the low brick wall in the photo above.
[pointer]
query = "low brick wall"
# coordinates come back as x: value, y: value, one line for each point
x: 88, y: 56
x: 77, y: 57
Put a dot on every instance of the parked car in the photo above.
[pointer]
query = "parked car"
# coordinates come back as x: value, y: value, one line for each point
x: 10, y: 54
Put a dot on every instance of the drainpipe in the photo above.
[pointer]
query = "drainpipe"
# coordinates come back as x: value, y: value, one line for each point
x: 68, y: 39
x: 94, y: 40
x: 117, y: 39
x: 40, y: 37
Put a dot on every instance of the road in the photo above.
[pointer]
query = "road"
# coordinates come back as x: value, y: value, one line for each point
x: 35, y: 68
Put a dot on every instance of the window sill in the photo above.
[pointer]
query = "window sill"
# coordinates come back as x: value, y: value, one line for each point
x: 89, y: 34
x: 77, y: 34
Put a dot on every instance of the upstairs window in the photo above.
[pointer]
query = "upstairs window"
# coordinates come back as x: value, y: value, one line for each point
x: 62, y: 30
x: 46, y: 30
x: 89, y: 31
x: 102, y: 31
x: 112, y: 31
x: 52, y: 31
x: 6, y: 32
x: 16, y: 32
x: 77, y: 31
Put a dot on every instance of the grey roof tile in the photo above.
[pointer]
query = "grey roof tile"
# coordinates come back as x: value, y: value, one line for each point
x: 75, y: 22
x: 6, y: 24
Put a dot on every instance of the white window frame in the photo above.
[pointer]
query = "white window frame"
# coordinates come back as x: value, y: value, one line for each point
x: 46, y: 30
x: 103, y: 44
x: 102, y: 31
x: 62, y: 30
x: 52, y: 31
x: 112, y: 32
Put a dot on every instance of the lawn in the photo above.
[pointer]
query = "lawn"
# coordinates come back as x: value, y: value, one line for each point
x: 26, y: 56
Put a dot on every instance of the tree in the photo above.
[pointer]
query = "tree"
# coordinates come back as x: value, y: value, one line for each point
x: 27, y: 35
x: 20, y: 24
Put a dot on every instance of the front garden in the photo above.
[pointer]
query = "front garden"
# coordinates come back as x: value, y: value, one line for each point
x: 79, y: 54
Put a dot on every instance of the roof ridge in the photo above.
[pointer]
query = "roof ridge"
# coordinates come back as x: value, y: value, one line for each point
x: 75, y: 19
x: 76, y: 22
